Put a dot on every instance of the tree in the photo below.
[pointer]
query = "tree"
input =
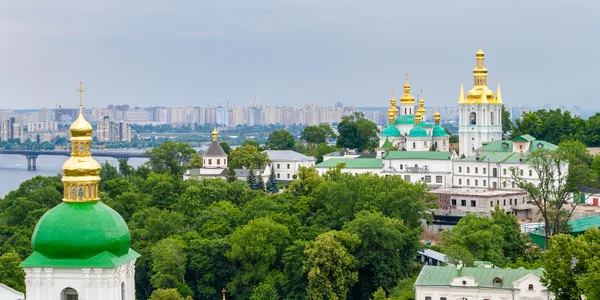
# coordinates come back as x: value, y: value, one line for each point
x: 513, y: 246
x: 10, y: 273
x: 195, y: 162
x: 225, y: 147
x: 231, y: 175
x: 280, y: 140
x: 257, y: 247
x: 167, y: 294
x: 331, y: 265
x: 319, y: 134
x: 252, y: 143
x: 379, y: 294
x: 507, y: 124
x: 477, y: 238
x: 385, y: 254
x: 124, y: 168
x: 170, y: 157
x: 318, y: 150
x: 168, y: 265
x: 552, y: 193
x: 560, y: 270
x: 264, y: 291
x: 260, y: 183
x: 356, y: 132
x: 308, y: 179
x: 247, y: 157
x: 272, y: 187
x: 251, y: 180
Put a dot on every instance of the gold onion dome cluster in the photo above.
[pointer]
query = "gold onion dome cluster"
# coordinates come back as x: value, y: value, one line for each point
x: 480, y: 93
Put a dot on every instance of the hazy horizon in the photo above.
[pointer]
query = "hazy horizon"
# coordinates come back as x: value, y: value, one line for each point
x: 291, y: 52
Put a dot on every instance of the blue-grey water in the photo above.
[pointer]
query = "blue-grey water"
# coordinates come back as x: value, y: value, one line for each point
x: 13, y: 168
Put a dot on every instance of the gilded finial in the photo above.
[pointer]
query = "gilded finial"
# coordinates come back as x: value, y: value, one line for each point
x: 215, y: 133
x: 224, y: 291
x: 80, y: 91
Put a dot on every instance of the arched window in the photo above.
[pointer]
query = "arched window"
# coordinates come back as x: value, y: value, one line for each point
x: 498, y: 281
x: 414, y: 145
x: 74, y: 192
x: 93, y: 191
x: 473, y: 118
x: 122, y: 290
x: 69, y: 294
x: 530, y: 288
x: 492, y: 121
x: 80, y: 192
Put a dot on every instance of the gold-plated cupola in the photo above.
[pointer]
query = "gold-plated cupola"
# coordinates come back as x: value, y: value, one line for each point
x: 81, y: 172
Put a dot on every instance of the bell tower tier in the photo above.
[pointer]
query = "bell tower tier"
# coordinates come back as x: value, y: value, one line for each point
x: 480, y: 112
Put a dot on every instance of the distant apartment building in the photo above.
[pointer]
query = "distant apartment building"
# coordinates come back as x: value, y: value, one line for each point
x: 65, y: 115
x: 44, y: 114
x: 12, y: 130
x: 137, y: 116
x: 109, y: 131
x: 42, y: 126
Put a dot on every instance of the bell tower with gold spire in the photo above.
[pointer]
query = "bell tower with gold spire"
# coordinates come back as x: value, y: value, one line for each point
x: 480, y: 111
x: 81, y: 246
x: 407, y: 101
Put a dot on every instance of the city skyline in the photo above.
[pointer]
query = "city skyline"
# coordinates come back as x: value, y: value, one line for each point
x: 287, y: 52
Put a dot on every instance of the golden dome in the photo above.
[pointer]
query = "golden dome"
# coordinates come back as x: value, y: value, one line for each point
x: 407, y: 98
x: 417, y: 118
x: 479, y: 52
x: 436, y: 117
x: 81, y: 171
x: 215, y: 133
x: 392, y: 111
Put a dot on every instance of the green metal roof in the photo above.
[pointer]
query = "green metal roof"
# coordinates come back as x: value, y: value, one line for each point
x: 418, y: 131
x: 75, y: 235
x: 439, y: 131
x: 427, y: 125
x: 524, y: 138
x: 391, y: 130
x: 353, y: 163
x: 417, y: 155
x: 507, y: 146
x: 405, y: 120
x: 484, y: 277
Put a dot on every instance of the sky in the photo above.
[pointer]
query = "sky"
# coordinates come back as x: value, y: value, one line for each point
x: 294, y: 52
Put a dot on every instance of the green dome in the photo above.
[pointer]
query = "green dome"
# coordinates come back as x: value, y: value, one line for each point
x: 418, y: 131
x: 405, y: 120
x: 439, y: 131
x: 391, y: 130
x: 80, y: 234
x: 426, y: 125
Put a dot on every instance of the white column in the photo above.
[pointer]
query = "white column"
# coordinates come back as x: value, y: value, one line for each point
x: 49, y: 280
x: 87, y: 281
x: 99, y: 285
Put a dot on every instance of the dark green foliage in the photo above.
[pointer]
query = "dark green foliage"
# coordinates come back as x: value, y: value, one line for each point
x: 225, y: 147
x: 319, y: 134
x: 10, y: 273
x: 260, y: 183
x: 231, y: 175
x: 170, y: 157
x: 251, y: 179
x: 198, y: 236
x: 272, y: 186
x: 356, y: 132
x: 280, y: 140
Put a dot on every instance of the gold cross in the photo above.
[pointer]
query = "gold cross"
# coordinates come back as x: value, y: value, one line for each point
x: 223, y: 291
x: 479, y: 44
x: 392, y: 93
x: 421, y: 93
x: 80, y: 91
x: 406, y: 76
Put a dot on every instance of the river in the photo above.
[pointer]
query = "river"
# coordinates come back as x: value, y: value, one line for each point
x: 13, y: 168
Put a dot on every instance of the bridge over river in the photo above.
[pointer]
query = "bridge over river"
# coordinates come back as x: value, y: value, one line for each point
x: 32, y: 155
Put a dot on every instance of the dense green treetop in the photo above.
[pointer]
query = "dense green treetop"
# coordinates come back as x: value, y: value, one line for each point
x: 280, y: 140
x: 247, y: 157
x: 357, y: 132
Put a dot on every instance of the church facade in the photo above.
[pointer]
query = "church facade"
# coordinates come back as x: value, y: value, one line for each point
x: 407, y: 129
